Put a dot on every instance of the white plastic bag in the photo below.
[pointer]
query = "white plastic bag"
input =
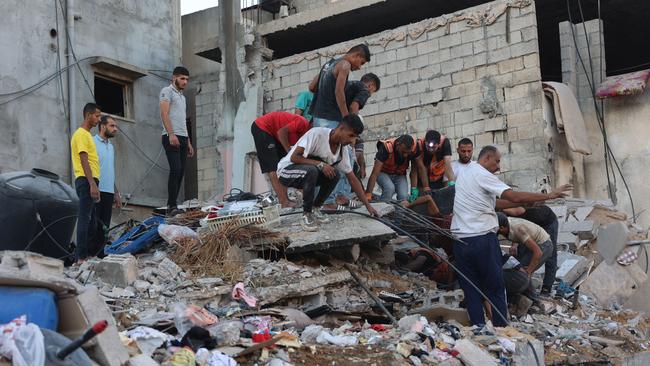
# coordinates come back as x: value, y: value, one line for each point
x: 22, y: 343
x: 173, y: 233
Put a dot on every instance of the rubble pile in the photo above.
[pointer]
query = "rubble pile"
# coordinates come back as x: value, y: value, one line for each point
x: 166, y: 307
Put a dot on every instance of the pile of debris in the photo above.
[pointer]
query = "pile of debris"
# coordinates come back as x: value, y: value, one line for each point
x: 252, y: 295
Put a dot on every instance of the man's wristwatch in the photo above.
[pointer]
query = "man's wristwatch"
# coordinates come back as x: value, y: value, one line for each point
x: 320, y: 166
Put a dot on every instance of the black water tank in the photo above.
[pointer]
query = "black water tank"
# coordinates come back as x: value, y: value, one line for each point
x: 38, y: 212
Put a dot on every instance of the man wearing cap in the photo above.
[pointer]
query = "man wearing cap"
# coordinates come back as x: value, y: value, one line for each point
x: 175, y: 138
x: 436, y: 157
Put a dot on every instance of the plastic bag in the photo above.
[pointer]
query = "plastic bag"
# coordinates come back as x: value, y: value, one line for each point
x: 174, y: 234
x: 22, y: 343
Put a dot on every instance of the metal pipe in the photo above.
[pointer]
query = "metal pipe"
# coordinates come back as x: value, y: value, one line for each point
x: 72, y: 90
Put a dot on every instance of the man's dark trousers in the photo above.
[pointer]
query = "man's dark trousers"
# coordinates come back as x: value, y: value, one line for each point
x: 550, y: 266
x: 85, y: 219
x: 103, y: 213
x: 307, y: 178
x: 176, y: 157
x: 479, y: 259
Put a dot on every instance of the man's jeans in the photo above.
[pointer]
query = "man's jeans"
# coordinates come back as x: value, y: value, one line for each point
x: 176, y: 157
x: 343, y: 188
x: 525, y: 255
x: 86, y: 218
x: 322, y: 122
x: 391, y: 184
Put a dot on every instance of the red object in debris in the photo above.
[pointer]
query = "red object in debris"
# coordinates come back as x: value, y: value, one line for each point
x: 378, y: 327
x: 452, y: 352
x: 212, y: 215
x: 261, y: 337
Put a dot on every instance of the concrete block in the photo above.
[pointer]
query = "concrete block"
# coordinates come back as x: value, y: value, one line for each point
x: 461, y: 50
x: 531, y: 61
x: 418, y: 87
x: 526, y: 355
x: 440, y: 56
x: 404, y: 53
x: 464, y: 76
x: 142, y: 360
x: 427, y: 47
x: 496, y: 124
x: 612, y: 239
x: 527, y: 76
x: 511, y: 65
x: 472, y: 34
x: 524, y: 48
x: 108, y: 350
x: 450, y: 40
x: 440, y: 82
x: 35, y: 264
x: 613, y: 284
x: 451, y: 66
x: 585, y: 230
x: 472, y: 355
x: 117, y: 269
x: 439, y: 312
x: 429, y: 71
x: 417, y: 62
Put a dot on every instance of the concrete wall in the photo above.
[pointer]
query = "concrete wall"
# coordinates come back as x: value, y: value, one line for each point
x: 625, y: 122
x: 201, y: 32
x: 35, y: 133
x: 476, y: 81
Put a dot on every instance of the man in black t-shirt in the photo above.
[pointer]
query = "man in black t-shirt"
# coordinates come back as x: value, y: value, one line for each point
x: 436, y: 158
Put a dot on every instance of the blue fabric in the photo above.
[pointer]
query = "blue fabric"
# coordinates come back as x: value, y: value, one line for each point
x: 322, y: 122
x: 479, y: 259
x: 342, y: 188
x: 304, y: 102
x: 138, y: 238
x: 391, y: 184
x: 106, y: 155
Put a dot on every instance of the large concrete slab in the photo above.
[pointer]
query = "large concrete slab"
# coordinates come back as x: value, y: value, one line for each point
x: 343, y: 230
x: 612, y: 239
x: 613, y: 284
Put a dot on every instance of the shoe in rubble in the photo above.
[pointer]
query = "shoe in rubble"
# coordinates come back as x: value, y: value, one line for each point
x: 319, y: 215
x: 308, y: 222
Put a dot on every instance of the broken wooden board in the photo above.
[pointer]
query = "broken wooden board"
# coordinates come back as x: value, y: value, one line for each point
x: 342, y: 230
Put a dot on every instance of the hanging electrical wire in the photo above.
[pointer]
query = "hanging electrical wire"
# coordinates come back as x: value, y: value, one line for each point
x: 610, y: 158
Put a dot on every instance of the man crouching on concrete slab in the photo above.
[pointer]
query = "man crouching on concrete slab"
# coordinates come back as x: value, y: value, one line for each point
x: 316, y: 160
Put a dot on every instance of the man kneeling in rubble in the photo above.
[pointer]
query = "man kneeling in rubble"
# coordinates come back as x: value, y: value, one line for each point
x: 316, y: 160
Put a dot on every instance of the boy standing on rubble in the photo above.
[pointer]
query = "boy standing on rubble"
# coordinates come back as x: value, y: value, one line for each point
x: 317, y: 160
x: 475, y: 223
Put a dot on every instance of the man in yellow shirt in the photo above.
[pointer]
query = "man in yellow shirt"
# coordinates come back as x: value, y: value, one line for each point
x: 85, y: 163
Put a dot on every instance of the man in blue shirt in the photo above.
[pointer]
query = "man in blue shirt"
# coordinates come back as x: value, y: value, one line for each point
x: 109, y: 195
x: 303, y: 104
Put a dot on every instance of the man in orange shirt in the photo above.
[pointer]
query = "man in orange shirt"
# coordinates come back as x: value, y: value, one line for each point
x: 274, y: 134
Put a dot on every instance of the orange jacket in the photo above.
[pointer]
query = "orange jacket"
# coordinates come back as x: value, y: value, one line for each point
x: 390, y: 165
x: 435, y: 168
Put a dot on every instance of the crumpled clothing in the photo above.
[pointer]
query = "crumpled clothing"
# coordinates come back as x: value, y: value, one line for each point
x: 326, y: 338
x: 214, y: 358
x: 238, y: 293
x: 183, y: 357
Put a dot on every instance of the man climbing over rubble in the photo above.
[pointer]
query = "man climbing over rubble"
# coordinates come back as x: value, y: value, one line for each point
x: 316, y: 160
x: 85, y: 163
x: 543, y: 216
x: 393, y: 158
x: 274, y: 134
x: 109, y: 195
x: 475, y: 223
x: 436, y: 158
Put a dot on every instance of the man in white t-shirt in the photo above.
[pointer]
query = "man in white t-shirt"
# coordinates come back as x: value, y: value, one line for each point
x: 465, y: 151
x: 478, y: 254
x: 317, y: 160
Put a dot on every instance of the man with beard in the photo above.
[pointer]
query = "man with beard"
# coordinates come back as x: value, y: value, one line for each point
x: 465, y: 151
x: 108, y: 193
x: 175, y: 138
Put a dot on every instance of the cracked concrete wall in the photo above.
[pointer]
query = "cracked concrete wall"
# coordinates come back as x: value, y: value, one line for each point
x: 452, y: 73
x: 145, y: 34
x: 625, y: 122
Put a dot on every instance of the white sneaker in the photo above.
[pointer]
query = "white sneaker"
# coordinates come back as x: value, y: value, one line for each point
x: 319, y: 215
x: 308, y: 222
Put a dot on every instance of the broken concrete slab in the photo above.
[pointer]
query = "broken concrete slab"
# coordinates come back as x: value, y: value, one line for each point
x: 569, y: 267
x: 582, y: 229
x: 612, y: 239
x: 613, y: 284
x: 108, y: 350
x: 342, y: 230
x: 472, y: 355
x: 142, y: 360
x: 528, y: 352
x: 639, y: 359
x: 270, y: 295
x: 36, y: 264
x: 117, y: 269
x: 437, y: 313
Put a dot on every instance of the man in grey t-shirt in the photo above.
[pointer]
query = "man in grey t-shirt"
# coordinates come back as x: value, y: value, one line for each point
x: 175, y: 138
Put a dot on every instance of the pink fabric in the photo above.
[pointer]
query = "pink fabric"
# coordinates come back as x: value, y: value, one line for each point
x: 626, y: 84
x: 238, y: 293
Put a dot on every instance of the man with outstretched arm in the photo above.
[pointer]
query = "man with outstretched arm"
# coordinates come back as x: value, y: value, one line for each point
x: 316, y: 160
x: 475, y: 223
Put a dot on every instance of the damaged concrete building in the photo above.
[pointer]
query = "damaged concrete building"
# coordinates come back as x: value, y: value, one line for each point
x: 468, y: 69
